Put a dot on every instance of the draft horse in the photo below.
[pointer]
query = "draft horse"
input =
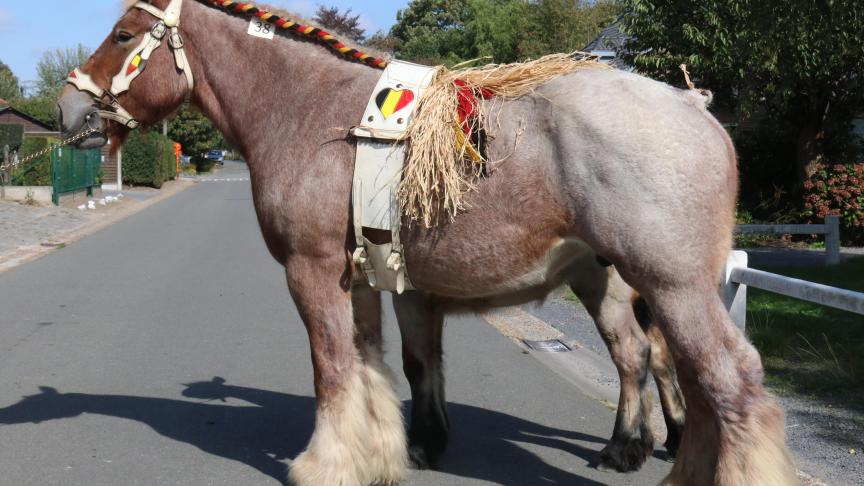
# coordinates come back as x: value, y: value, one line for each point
x: 608, y: 164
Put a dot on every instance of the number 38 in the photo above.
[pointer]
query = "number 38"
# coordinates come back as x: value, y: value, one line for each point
x: 263, y: 27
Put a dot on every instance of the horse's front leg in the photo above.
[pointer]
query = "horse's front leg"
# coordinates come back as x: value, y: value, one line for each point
x: 359, y: 436
x: 421, y: 324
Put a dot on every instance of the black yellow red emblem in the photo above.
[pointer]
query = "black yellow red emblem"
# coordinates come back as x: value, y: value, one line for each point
x: 391, y: 101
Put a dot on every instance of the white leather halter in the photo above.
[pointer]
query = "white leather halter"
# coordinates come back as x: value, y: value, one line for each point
x: 169, y: 21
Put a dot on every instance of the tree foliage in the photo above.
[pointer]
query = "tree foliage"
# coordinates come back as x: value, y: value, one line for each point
x: 54, y: 67
x: 331, y: 18
x: 797, y: 62
x: 40, y: 107
x: 10, y: 90
x: 195, y: 132
x: 452, y: 31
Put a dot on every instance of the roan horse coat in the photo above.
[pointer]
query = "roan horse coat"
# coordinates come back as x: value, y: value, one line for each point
x: 608, y: 163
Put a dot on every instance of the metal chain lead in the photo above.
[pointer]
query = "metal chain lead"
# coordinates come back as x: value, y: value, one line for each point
x: 42, y: 152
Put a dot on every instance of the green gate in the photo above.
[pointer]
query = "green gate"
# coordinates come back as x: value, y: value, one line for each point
x: 74, y: 170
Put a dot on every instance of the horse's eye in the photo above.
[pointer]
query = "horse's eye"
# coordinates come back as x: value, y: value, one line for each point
x: 123, y: 36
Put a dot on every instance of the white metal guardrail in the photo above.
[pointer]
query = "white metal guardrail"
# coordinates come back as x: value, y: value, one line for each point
x: 739, y: 277
x: 831, y: 230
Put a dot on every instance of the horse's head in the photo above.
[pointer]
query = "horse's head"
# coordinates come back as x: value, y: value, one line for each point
x: 129, y: 80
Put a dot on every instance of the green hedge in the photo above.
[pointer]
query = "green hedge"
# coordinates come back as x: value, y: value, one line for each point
x: 10, y: 135
x: 37, y: 172
x: 148, y: 159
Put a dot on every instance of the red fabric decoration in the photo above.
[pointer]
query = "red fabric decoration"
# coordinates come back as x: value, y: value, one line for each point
x: 468, y: 104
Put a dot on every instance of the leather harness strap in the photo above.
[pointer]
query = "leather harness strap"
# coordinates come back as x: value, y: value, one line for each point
x: 169, y: 22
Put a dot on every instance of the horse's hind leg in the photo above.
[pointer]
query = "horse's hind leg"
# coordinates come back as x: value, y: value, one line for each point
x: 421, y: 322
x: 610, y: 302
x: 665, y: 376
x: 359, y: 436
x: 734, y: 433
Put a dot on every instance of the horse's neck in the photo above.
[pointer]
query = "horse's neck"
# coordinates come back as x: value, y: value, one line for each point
x: 258, y: 92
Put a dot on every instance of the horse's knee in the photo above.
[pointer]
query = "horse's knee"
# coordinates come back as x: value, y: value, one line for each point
x: 359, y: 437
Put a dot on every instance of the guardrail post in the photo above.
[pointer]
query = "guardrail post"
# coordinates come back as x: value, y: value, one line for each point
x: 735, y: 294
x: 832, y: 240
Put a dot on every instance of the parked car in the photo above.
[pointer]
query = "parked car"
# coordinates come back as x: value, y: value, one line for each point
x: 217, y: 156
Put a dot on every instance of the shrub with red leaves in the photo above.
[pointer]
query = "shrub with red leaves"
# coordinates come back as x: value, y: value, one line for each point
x: 837, y: 190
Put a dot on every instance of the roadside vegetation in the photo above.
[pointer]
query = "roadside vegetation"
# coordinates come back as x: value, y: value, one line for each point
x: 807, y: 348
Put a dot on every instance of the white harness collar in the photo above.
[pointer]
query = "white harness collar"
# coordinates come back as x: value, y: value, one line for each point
x: 169, y: 21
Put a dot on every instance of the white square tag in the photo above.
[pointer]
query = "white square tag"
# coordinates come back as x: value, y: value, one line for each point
x: 260, y: 28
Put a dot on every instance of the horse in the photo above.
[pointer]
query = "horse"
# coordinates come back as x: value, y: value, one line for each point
x: 601, y: 164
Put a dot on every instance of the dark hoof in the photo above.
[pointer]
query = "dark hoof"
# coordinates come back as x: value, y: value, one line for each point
x: 424, y: 450
x: 625, y: 456
x: 418, y: 457
x: 673, y: 443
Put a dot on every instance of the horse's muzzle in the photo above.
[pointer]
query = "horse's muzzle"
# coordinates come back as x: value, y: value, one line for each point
x: 75, y: 113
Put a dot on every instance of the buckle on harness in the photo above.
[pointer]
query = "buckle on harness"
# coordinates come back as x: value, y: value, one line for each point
x: 395, y: 261
x: 175, y: 40
x: 158, y: 30
x: 360, y: 256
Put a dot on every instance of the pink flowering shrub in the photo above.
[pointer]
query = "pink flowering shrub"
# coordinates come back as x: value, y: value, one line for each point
x: 837, y: 190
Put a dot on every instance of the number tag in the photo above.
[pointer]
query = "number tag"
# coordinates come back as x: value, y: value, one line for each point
x: 259, y: 28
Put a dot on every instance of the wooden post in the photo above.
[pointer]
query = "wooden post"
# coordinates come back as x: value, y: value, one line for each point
x: 832, y: 240
x: 4, y: 160
x: 735, y: 294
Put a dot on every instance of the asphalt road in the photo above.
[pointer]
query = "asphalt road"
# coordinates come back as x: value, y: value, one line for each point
x: 165, y: 350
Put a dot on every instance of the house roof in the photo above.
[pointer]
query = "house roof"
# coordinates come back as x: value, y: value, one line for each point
x: 610, y: 44
x: 8, y: 109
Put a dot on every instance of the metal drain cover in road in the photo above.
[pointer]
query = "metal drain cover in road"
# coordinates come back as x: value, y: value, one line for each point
x: 553, y: 346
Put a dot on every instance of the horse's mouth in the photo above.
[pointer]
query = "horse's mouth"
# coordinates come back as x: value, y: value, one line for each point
x: 93, y: 141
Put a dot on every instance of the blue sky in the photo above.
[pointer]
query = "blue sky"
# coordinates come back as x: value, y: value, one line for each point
x: 29, y: 28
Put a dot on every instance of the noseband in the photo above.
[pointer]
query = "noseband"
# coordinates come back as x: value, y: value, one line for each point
x: 169, y: 21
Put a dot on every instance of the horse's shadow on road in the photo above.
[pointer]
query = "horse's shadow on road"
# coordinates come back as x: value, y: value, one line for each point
x: 276, y: 426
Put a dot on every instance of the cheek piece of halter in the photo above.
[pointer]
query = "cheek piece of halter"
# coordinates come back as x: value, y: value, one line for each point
x: 169, y: 21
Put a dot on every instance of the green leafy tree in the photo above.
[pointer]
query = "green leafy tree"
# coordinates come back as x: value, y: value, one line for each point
x: 41, y: 108
x: 54, y: 67
x: 452, y: 31
x: 432, y: 31
x: 10, y: 90
x: 798, y: 63
x: 331, y: 18
x: 381, y: 41
x: 566, y: 25
x: 195, y: 132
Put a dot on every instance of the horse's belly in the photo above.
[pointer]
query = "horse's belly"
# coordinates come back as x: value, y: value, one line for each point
x: 511, y: 272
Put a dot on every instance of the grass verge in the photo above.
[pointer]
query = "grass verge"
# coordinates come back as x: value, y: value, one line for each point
x: 807, y: 348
